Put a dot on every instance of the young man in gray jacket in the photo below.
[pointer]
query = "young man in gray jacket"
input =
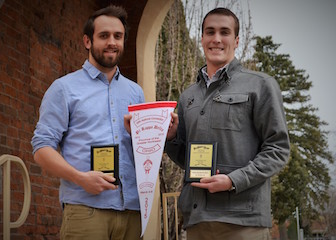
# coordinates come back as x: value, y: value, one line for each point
x: 242, y: 111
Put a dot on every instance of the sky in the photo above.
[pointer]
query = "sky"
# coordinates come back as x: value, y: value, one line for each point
x: 306, y: 30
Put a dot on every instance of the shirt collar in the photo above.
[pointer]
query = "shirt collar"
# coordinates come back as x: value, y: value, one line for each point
x: 215, y: 77
x: 95, y: 73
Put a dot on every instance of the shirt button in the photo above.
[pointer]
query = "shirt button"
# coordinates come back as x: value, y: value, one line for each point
x: 230, y: 99
x: 113, y: 120
x: 202, y: 112
x: 195, y: 205
x: 116, y: 137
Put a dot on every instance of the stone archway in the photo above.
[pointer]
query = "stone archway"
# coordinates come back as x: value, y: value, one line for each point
x: 149, y: 27
x: 148, y: 31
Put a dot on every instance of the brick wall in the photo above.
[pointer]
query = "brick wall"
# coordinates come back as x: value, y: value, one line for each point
x: 39, y: 42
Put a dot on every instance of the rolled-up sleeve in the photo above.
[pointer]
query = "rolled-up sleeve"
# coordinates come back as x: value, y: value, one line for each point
x: 53, y: 120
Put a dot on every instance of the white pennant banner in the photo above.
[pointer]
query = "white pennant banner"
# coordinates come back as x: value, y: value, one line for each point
x: 149, y: 126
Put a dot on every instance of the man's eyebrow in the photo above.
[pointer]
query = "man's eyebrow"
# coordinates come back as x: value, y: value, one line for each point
x: 222, y: 28
x: 119, y: 32
x: 103, y: 32
x: 108, y: 32
x: 209, y: 28
x: 225, y: 28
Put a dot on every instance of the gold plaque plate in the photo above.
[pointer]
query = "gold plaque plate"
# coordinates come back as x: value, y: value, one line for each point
x: 200, y: 160
x: 106, y: 159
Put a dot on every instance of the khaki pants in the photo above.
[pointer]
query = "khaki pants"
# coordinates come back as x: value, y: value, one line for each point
x: 82, y: 222
x: 226, y: 231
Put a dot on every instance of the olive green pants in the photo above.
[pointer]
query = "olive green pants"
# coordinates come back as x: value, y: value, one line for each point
x: 223, y: 231
x: 82, y: 222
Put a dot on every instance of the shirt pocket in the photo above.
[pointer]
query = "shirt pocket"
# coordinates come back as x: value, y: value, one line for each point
x: 228, y: 111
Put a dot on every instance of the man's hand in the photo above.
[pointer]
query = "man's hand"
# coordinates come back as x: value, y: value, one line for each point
x: 216, y: 183
x: 172, y: 126
x: 127, y: 123
x: 95, y: 182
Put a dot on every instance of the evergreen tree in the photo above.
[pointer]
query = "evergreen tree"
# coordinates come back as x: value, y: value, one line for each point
x: 304, y: 182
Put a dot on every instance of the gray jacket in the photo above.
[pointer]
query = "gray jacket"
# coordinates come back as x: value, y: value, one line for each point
x: 243, y: 112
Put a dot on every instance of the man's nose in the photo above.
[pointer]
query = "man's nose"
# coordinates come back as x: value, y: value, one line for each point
x: 217, y: 37
x: 111, y: 40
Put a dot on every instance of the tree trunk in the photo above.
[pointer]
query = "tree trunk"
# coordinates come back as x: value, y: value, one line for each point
x: 283, y: 231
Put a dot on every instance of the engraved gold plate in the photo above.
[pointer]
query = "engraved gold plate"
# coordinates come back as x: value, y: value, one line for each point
x: 200, y: 161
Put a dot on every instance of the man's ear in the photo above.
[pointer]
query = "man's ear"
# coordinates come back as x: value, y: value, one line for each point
x: 87, y: 42
x: 237, y: 42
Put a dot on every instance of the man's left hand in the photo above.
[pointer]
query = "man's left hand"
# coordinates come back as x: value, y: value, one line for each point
x: 216, y: 183
x: 127, y: 122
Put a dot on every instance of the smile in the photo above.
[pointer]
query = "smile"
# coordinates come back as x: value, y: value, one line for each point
x: 216, y: 49
x: 111, y: 51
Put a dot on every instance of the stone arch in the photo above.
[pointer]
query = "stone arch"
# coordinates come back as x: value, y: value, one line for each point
x: 149, y: 27
x: 148, y: 31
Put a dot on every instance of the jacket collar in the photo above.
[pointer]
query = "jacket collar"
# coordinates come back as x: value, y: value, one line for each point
x: 226, y: 73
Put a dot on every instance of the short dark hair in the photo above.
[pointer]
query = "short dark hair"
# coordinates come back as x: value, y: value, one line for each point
x: 112, y: 11
x: 226, y: 12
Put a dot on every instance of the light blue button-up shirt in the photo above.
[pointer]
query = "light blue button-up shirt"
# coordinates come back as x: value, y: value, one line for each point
x: 83, y: 109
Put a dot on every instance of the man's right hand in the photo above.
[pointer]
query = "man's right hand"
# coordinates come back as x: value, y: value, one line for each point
x: 95, y: 182
x: 172, y: 126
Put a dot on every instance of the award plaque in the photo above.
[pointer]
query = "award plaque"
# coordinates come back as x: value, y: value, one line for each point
x: 200, y: 160
x: 106, y: 159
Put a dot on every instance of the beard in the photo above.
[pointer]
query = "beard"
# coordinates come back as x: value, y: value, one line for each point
x: 106, y: 62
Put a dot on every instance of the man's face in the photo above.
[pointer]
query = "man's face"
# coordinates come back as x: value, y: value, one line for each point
x: 107, y: 45
x: 218, y: 40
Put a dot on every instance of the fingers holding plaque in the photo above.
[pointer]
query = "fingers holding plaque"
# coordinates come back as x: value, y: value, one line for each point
x: 200, y: 160
x: 106, y: 159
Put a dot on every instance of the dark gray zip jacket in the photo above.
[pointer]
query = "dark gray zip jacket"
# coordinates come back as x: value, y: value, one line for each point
x: 243, y: 112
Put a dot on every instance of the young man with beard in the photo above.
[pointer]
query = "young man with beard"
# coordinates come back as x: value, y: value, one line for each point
x: 84, y: 109
x: 242, y: 111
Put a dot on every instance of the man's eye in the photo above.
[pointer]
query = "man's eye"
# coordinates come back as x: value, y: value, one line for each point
x: 118, y: 36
